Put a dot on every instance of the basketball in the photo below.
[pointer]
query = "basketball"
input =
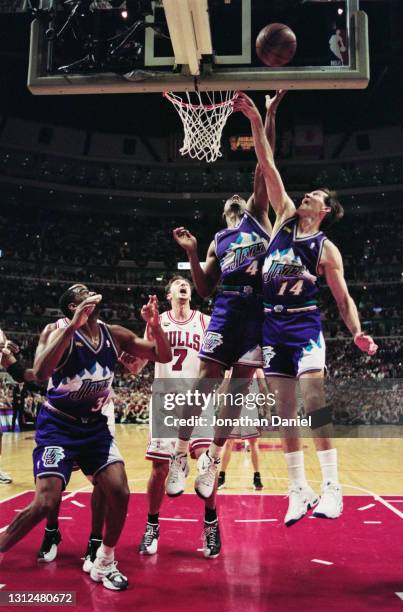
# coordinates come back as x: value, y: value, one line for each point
x: 276, y: 44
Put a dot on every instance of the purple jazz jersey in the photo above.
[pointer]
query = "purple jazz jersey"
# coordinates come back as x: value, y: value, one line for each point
x: 78, y: 431
x: 292, y: 333
x: 234, y: 332
x: 290, y: 267
x: 240, y: 252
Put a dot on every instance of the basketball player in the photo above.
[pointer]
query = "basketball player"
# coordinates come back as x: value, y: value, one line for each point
x: 293, y: 343
x: 79, y: 361
x: 52, y: 536
x: 8, y: 361
x: 185, y: 329
x: 233, y: 262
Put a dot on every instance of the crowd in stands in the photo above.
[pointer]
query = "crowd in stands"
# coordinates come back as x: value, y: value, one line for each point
x: 163, y: 178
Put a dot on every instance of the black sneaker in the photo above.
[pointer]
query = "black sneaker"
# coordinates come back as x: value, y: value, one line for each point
x: 48, y: 549
x: 149, y: 543
x: 211, y: 540
x: 91, y: 553
x: 221, y: 480
x: 257, y: 483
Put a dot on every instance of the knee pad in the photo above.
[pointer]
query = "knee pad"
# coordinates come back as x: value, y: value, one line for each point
x: 321, y: 417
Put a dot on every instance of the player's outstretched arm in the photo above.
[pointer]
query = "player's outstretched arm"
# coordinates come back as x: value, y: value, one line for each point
x: 53, y: 342
x: 331, y: 264
x: 258, y: 203
x: 135, y: 365
x: 157, y: 350
x: 205, y: 279
x: 8, y: 361
x: 279, y: 199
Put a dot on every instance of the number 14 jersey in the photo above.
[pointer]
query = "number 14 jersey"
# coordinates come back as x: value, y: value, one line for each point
x: 290, y: 267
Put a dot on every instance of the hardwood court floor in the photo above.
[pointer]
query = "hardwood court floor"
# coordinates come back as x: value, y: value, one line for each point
x: 367, y: 466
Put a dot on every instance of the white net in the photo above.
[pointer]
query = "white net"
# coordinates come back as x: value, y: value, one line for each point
x: 203, y: 121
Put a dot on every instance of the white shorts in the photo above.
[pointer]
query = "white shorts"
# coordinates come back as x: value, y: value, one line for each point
x: 109, y: 411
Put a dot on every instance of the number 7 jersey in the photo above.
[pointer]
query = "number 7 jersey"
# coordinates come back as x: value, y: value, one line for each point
x: 185, y: 338
x: 290, y: 268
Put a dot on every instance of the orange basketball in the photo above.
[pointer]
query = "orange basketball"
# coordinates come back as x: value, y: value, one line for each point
x: 276, y: 45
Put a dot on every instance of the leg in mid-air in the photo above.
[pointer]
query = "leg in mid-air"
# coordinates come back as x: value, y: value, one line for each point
x: 300, y: 494
x: 112, y: 480
x: 313, y: 394
x: 211, y: 528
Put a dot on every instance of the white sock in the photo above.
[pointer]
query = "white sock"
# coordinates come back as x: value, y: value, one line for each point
x: 106, y: 551
x: 296, y: 469
x: 328, y: 465
x: 181, y: 447
x: 215, y: 451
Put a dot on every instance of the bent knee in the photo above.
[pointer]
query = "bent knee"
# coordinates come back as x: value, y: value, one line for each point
x: 160, y: 469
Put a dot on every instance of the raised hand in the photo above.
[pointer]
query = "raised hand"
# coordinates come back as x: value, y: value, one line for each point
x: 272, y: 103
x: 185, y: 239
x: 84, y: 310
x: 246, y: 105
x: 149, y: 311
x: 365, y: 343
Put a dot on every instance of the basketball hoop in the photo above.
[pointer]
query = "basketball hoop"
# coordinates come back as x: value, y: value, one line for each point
x: 203, y: 121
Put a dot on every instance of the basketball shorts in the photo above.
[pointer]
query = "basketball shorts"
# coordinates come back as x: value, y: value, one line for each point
x: 61, y: 443
x: 234, y: 332
x: 293, y: 344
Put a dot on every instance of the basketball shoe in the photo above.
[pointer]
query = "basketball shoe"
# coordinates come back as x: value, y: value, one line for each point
x: 5, y: 478
x: 91, y: 553
x: 207, y: 468
x: 257, y: 481
x: 50, y: 542
x: 331, y: 501
x: 300, y: 500
x: 104, y: 569
x: 221, y: 480
x: 211, y: 540
x: 149, y: 543
x: 178, y: 471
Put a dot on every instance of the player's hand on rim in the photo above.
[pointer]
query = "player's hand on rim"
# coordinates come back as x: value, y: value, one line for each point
x: 84, y: 310
x: 365, y: 343
x: 185, y: 239
x: 246, y: 105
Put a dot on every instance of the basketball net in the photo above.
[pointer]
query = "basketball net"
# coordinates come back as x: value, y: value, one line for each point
x: 203, y: 121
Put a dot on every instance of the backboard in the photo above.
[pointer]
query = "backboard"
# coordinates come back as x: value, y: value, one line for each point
x: 205, y: 45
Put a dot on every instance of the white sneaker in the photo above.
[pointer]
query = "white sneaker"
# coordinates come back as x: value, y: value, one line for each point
x: 207, y: 468
x: 105, y: 571
x: 301, y: 499
x: 178, y: 471
x: 331, y: 501
x: 5, y: 478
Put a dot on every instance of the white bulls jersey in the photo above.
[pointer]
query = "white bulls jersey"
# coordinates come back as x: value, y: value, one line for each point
x: 185, y: 339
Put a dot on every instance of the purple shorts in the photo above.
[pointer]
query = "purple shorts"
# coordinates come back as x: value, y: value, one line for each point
x: 60, y: 444
x: 293, y: 343
x: 234, y: 332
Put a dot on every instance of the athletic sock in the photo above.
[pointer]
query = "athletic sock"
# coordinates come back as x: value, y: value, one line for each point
x: 214, y: 451
x: 153, y: 518
x: 96, y: 536
x: 210, y: 515
x: 181, y: 447
x: 296, y: 470
x: 106, y: 551
x: 52, y: 527
x: 328, y: 465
